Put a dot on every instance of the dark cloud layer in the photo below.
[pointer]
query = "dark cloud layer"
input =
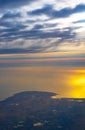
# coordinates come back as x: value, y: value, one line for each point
x: 10, y: 15
x: 14, y: 3
x: 18, y: 50
x: 48, y: 10
x: 34, y: 24
x: 35, y: 33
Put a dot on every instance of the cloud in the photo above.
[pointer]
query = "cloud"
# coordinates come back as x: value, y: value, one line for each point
x: 41, y: 25
x: 35, y: 33
x: 70, y: 46
x: 47, y: 9
x: 80, y: 21
x: 65, y: 12
x: 10, y: 15
x: 6, y: 4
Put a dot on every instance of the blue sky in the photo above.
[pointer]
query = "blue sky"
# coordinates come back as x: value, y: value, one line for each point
x: 42, y: 25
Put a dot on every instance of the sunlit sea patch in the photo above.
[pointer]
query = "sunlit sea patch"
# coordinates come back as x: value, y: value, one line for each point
x: 78, y: 84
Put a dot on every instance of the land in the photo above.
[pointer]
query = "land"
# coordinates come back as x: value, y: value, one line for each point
x: 34, y: 110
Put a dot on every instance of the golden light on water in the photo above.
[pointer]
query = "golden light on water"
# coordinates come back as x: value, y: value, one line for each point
x: 78, y: 85
x: 66, y: 82
x: 78, y: 81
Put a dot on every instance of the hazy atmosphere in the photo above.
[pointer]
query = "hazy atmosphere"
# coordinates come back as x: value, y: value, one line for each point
x: 61, y: 73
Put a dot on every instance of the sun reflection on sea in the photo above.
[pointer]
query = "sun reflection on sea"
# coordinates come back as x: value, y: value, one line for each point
x: 78, y: 84
x: 66, y: 82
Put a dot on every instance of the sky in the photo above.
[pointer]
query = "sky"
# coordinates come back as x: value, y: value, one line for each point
x: 42, y: 26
